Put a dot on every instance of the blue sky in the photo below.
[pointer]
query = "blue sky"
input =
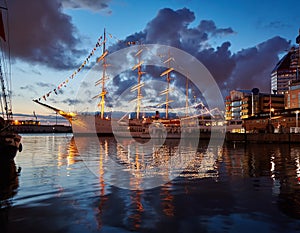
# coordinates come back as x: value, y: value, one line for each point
x: 239, y: 35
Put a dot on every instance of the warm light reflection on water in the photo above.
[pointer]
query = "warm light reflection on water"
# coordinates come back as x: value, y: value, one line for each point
x: 236, y: 188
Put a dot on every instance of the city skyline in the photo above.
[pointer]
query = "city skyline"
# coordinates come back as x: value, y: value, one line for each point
x: 239, y: 42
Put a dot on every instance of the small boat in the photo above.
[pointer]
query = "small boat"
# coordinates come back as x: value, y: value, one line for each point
x: 10, y: 142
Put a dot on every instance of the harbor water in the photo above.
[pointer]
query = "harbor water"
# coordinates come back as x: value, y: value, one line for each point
x: 53, y: 186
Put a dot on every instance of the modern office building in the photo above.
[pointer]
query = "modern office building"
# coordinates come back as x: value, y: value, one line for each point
x: 286, y: 70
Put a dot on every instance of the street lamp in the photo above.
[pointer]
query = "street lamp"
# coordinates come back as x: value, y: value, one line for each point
x: 296, y: 131
x: 271, y: 110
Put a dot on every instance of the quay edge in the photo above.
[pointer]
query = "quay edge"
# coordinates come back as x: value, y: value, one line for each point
x: 263, y: 137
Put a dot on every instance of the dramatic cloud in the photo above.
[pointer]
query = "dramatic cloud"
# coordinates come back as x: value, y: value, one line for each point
x: 254, y: 65
x: 219, y: 62
x: 172, y: 28
x: 166, y: 26
x: 210, y: 27
x: 41, y: 33
x: 245, y: 69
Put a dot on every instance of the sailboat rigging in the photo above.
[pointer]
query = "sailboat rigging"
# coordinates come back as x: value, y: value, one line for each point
x: 10, y: 142
x: 104, y: 76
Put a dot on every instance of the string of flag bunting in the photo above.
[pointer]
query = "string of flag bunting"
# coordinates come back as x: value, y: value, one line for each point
x: 99, y: 43
x: 65, y: 82
x: 72, y: 76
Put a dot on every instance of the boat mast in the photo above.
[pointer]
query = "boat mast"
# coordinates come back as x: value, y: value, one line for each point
x: 166, y: 92
x: 104, y: 77
x: 4, y: 101
x: 139, y: 84
x: 186, y: 96
x: 5, y: 104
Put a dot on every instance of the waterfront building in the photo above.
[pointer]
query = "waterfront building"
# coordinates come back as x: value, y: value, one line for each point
x: 286, y: 70
x: 278, y: 111
x: 242, y: 104
x: 283, y: 121
x: 236, y: 104
x: 292, y: 96
x: 270, y: 102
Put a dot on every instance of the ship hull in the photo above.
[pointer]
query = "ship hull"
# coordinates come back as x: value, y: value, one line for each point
x: 10, y: 144
x: 8, y: 152
x: 91, y: 125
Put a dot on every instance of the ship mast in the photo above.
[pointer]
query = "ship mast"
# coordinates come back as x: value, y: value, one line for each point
x: 104, y: 76
x: 166, y: 92
x: 139, y: 84
x: 186, y: 97
x: 5, y: 102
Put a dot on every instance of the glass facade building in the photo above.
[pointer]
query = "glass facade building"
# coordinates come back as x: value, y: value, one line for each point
x: 286, y: 71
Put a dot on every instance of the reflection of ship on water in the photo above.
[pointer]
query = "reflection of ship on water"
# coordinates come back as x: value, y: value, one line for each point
x: 69, y: 157
x: 134, y: 203
x: 9, y: 181
x: 164, y: 159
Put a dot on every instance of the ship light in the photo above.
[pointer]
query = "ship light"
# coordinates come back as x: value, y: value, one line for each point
x: 16, y: 122
x: 72, y: 114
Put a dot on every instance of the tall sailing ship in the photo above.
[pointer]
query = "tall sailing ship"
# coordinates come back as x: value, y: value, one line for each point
x: 98, y: 123
x: 10, y: 142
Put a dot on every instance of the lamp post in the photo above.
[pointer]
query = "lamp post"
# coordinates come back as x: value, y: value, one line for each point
x: 297, y: 112
x: 271, y: 110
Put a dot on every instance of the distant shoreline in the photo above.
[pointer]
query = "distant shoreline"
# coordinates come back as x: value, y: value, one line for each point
x: 42, y: 128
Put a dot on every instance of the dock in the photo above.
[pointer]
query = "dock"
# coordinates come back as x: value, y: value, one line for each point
x: 263, y: 137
